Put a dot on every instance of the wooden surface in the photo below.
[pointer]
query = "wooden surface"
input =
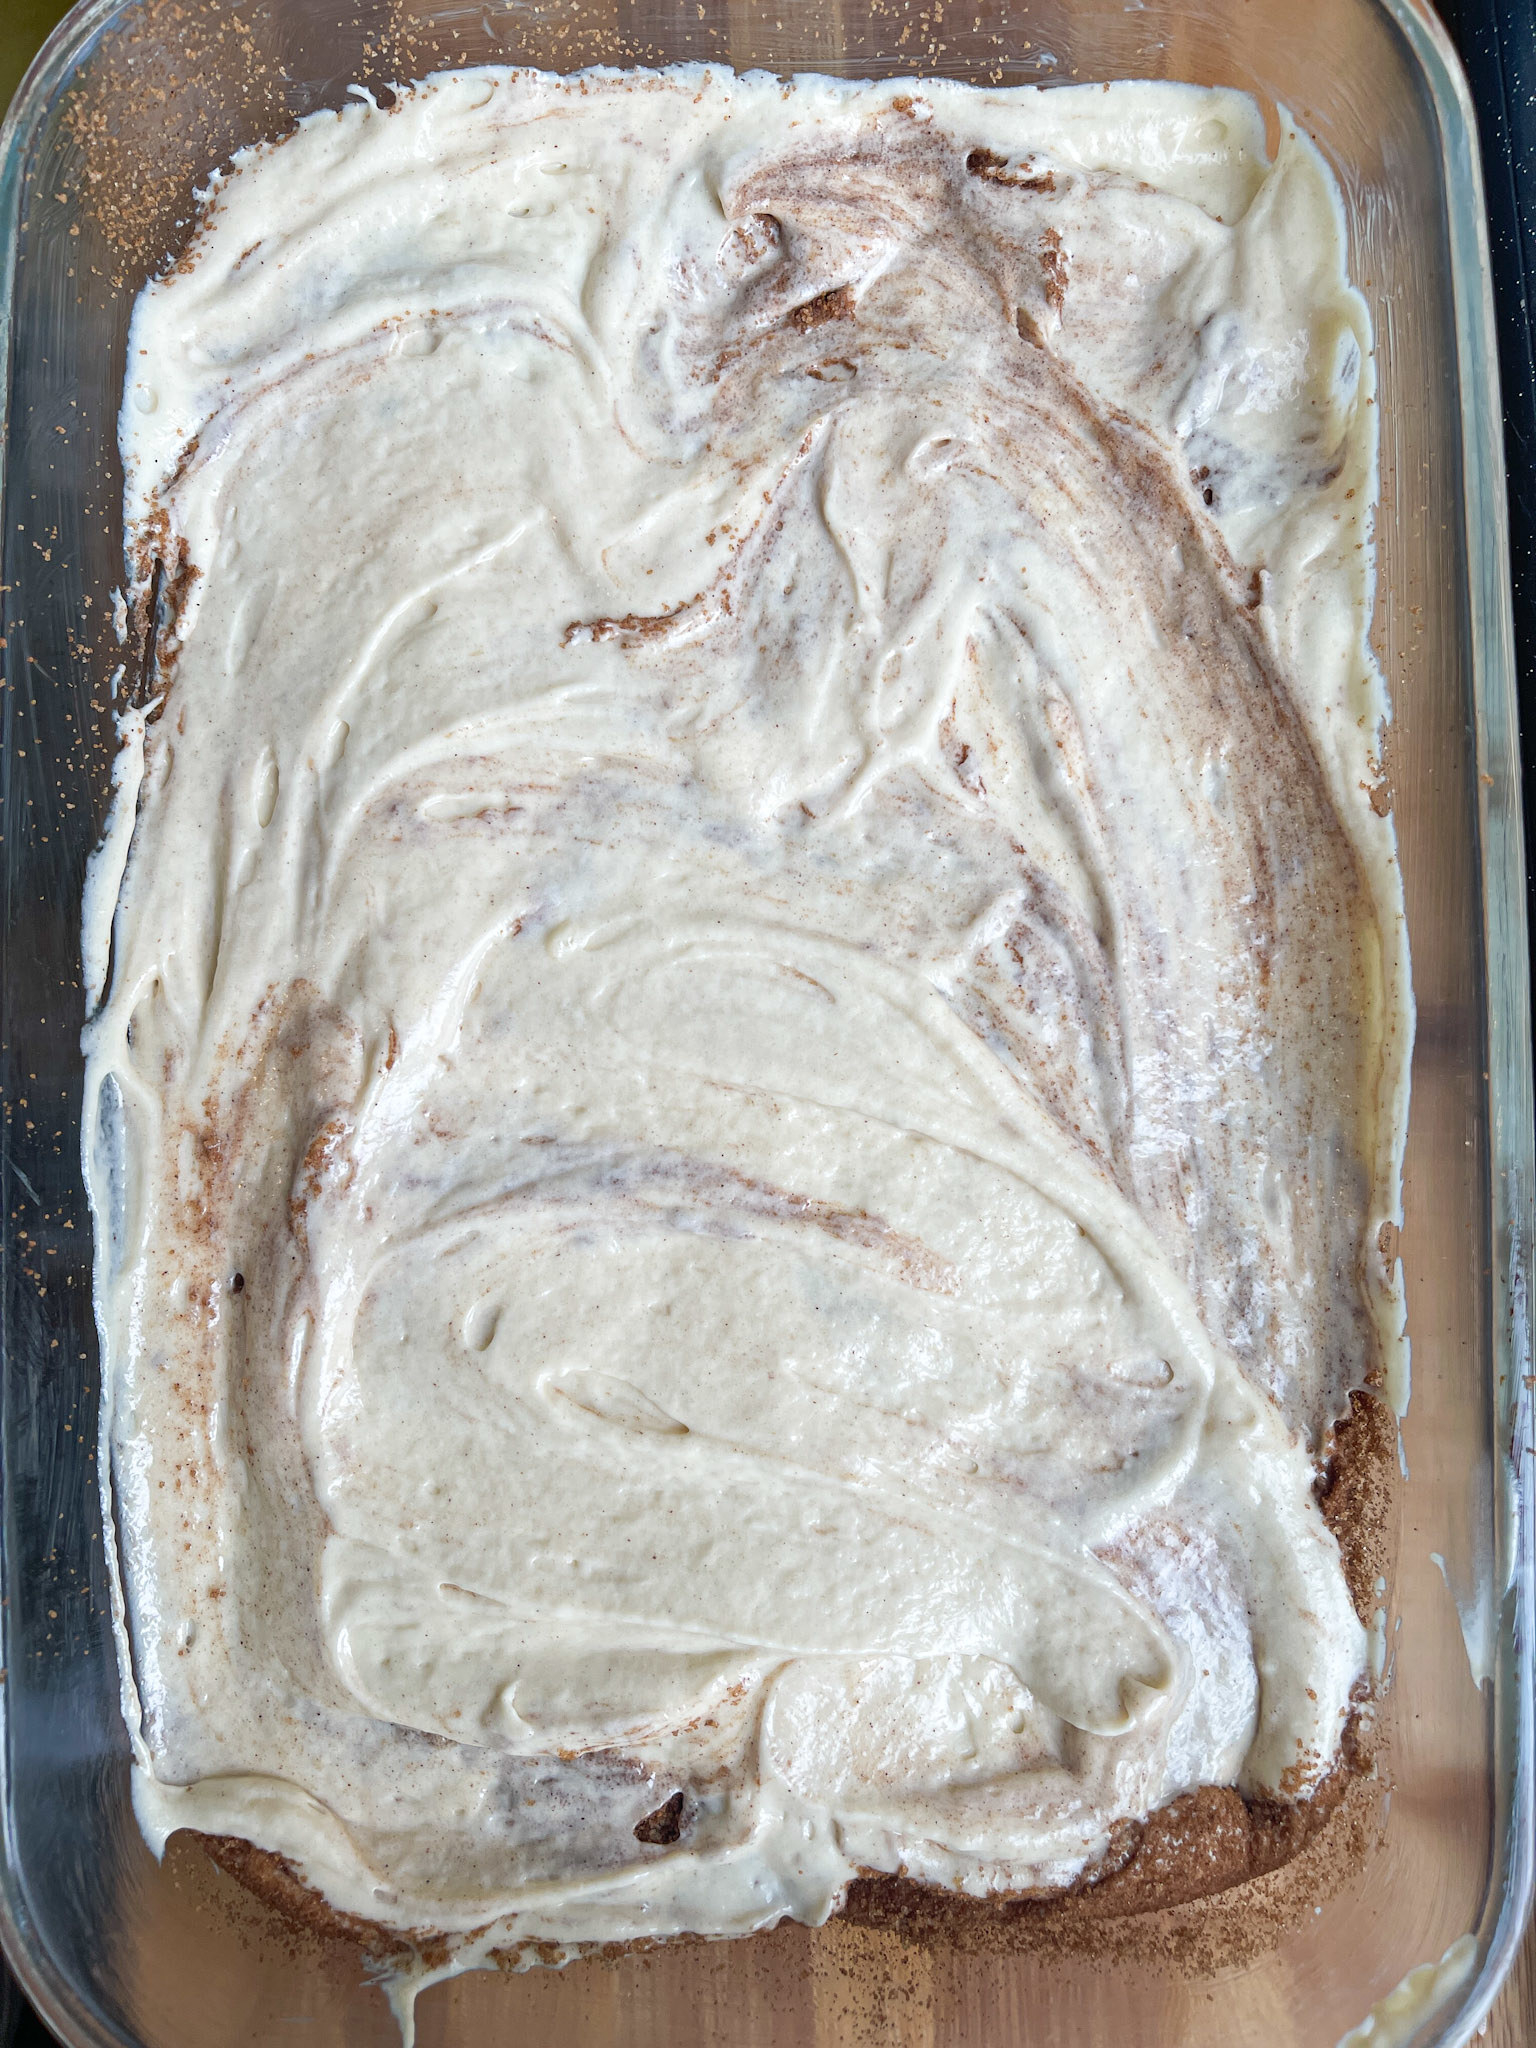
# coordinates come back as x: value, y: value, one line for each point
x: 1512, y: 2023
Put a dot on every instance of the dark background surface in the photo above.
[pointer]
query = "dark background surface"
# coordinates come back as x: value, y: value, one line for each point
x: 1497, y: 39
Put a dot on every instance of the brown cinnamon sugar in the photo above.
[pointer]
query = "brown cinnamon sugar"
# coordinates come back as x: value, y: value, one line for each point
x: 175, y: 87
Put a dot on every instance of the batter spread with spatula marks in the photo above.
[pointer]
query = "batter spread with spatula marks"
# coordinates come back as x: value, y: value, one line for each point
x: 745, y: 1126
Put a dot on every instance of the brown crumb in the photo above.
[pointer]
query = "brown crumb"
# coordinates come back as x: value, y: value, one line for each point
x: 1053, y: 267
x: 665, y: 1825
x: 996, y: 170
x: 833, y: 305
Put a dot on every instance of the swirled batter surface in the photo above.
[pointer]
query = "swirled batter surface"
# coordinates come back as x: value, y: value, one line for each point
x: 757, y: 1011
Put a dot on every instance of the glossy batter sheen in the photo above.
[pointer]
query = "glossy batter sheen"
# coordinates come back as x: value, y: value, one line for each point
x: 757, y: 1011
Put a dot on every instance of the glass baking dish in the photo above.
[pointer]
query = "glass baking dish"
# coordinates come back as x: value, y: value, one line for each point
x: 129, y: 107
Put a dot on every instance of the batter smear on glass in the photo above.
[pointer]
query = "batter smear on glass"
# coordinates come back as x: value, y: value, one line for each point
x: 746, y: 1128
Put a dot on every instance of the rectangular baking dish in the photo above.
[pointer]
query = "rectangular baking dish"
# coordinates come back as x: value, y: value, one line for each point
x: 129, y: 107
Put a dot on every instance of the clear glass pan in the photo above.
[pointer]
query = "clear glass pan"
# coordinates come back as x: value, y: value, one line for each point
x: 125, y: 112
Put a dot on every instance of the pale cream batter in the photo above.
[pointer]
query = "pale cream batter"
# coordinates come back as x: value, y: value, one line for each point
x: 757, y: 1018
